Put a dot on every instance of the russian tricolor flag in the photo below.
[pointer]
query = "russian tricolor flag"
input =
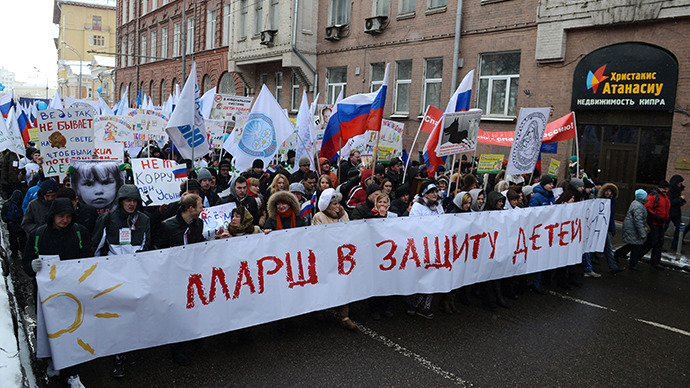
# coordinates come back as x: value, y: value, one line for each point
x: 354, y: 116
x: 6, y: 102
x: 180, y: 172
x: 24, y: 126
x: 459, y: 101
x: 308, y: 206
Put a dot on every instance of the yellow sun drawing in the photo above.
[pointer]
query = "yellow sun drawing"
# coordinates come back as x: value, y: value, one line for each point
x: 79, y: 314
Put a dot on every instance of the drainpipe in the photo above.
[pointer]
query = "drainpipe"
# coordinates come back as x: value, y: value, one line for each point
x: 456, y: 46
x: 299, y: 54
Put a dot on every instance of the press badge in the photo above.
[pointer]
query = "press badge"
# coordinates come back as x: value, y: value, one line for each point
x: 125, y: 236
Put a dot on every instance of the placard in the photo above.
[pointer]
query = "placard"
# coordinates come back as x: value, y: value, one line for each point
x: 158, y: 180
x: 230, y: 108
x: 459, y: 132
x: 490, y: 163
x: 64, y: 134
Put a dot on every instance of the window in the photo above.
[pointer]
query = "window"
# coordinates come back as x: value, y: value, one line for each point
x: 154, y: 45
x: 431, y: 4
x: 123, y: 50
x: 130, y: 51
x: 176, y: 39
x: 164, y: 42
x: 377, y: 73
x: 226, y: 25
x: 152, y: 91
x: 226, y: 84
x: 263, y: 79
x: 279, y: 88
x: 164, y: 98
x: 124, y: 11
x: 336, y: 79
x: 294, y: 92
x: 339, y: 12
x: 243, y: 19
x: 380, y: 8
x: 403, y: 82
x: 89, y: 92
x: 498, y: 83
x: 96, y: 23
x: 190, y: 35
x: 211, y: 29
x: 275, y: 7
x: 97, y: 40
x: 131, y: 9
x: 407, y: 6
x: 142, y: 49
x: 257, y: 17
x: 205, y: 84
x: 144, y: 6
x: 433, y: 77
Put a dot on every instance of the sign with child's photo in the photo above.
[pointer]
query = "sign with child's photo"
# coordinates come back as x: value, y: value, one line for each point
x: 96, y: 182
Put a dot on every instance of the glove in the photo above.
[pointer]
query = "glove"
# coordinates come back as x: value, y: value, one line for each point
x: 36, y: 265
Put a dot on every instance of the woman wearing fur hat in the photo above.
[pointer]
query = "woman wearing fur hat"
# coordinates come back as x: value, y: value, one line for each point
x: 283, y: 212
x: 330, y: 212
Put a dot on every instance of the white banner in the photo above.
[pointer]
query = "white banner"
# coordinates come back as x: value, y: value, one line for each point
x: 148, y: 125
x: 73, y: 103
x: 179, y: 294
x: 527, y: 142
x: 64, y: 134
x: 216, y: 218
x: 459, y: 132
x: 390, y: 144
x: 158, y: 180
x: 230, y: 108
x: 215, y: 130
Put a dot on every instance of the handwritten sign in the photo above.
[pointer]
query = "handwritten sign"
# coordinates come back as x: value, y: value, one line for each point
x: 230, y: 108
x: 158, y: 180
x: 64, y: 134
x: 215, y: 218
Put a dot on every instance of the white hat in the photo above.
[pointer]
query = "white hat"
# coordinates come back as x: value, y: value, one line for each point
x: 325, y: 199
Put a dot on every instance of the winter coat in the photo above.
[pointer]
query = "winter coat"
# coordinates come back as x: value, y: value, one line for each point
x: 456, y: 205
x: 172, y: 231
x: 35, y: 214
x: 541, y: 197
x: 106, y: 237
x: 246, y: 227
x: 247, y: 201
x: 362, y: 210
x: 69, y: 243
x: 674, y: 194
x: 272, y: 205
x: 12, y: 212
x: 86, y: 215
x: 328, y: 217
x: 420, y: 207
x: 359, y: 194
x: 474, y: 193
x: 635, y: 222
x: 399, y: 207
x: 492, y: 200
x: 614, y: 189
x: 658, y: 206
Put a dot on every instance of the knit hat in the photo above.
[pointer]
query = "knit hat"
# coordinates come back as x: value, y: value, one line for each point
x: 325, y: 198
x: 394, y: 162
x: 402, y: 191
x: 48, y: 186
x: 573, y: 158
x: 193, y: 185
x: 577, y: 183
x: 373, y: 187
x: 527, y: 190
x: 664, y: 184
x: 297, y: 188
x: 258, y: 163
x: 224, y: 163
x: 640, y: 194
x: 379, y: 169
x: 545, y: 180
x: 304, y: 161
x: 203, y: 173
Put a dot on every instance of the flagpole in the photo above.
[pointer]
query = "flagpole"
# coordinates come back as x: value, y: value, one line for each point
x: 340, y: 148
x: 411, y: 150
x: 376, y: 148
x: 577, y: 149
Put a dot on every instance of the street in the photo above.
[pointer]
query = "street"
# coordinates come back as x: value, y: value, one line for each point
x: 629, y: 329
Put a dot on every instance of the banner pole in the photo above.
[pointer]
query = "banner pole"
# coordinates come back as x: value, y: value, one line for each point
x: 409, y: 156
x: 577, y: 149
x: 376, y: 148
x: 340, y: 148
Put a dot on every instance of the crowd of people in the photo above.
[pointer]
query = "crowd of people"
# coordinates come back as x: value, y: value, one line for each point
x: 47, y: 217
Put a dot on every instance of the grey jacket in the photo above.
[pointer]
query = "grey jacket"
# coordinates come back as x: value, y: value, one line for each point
x: 635, y: 222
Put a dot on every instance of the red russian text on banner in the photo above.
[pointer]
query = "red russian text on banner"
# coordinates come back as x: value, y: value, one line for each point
x: 561, y: 129
x: 431, y: 119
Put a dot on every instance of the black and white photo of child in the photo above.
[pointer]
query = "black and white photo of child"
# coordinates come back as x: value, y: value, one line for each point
x: 97, y: 182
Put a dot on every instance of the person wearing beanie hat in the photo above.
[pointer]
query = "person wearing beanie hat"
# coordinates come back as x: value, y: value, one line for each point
x: 379, y: 172
x: 258, y: 164
x: 36, y: 212
x: 304, y: 165
x: 634, y: 230
x: 298, y: 189
x: 223, y: 178
x: 326, y: 170
x: 400, y: 205
x: 361, y: 210
x: 395, y: 172
x: 209, y: 198
x: 542, y: 195
x: 658, y: 207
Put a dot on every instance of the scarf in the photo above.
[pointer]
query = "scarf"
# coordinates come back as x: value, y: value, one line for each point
x: 290, y: 213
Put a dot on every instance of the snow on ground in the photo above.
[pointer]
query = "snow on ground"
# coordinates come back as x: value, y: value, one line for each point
x: 10, y: 365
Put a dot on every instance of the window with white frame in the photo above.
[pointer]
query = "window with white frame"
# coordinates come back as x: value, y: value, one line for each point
x: 336, y: 78
x: 190, y: 35
x: 275, y: 15
x: 176, y: 39
x: 144, y: 6
x: 294, y: 92
x: 403, y: 83
x: 279, y: 88
x: 211, y: 29
x: 164, y: 42
x: 380, y: 8
x: 243, y: 19
x: 499, y: 74
x: 97, y: 40
x: 406, y: 6
x: 433, y: 77
x: 123, y: 50
x: 432, y: 4
x: 130, y: 51
x: 339, y: 12
x: 154, y: 45
x: 258, y: 10
x: 226, y: 24
x: 377, y: 72
x: 131, y: 9
x: 142, y: 48
x: 125, y: 17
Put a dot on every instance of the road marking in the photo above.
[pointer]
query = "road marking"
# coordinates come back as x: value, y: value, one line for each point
x: 410, y: 354
x: 655, y: 324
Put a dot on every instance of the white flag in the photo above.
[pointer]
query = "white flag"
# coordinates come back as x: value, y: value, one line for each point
x: 186, y: 125
x: 55, y: 102
x: 168, y: 106
x: 527, y: 142
x: 207, y: 103
x: 306, y: 132
x: 12, y: 138
x: 264, y: 131
x: 105, y: 109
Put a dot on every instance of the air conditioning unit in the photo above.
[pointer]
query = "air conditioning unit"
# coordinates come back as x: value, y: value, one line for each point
x: 267, y: 37
x: 375, y: 24
x: 333, y: 33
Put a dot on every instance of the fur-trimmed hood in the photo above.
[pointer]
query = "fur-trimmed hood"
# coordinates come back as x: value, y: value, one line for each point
x: 607, y: 186
x: 282, y: 196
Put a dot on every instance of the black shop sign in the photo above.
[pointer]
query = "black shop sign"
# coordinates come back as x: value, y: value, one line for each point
x: 626, y: 76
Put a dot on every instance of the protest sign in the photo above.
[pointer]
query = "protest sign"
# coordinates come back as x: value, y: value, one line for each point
x: 528, y: 137
x: 431, y: 119
x: 178, y: 294
x: 148, y: 125
x: 92, y: 105
x: 490, y: 163
x: 216, y: 218
x: 390, y: 143
x: 109, y: 150
x: 113, y: 128
x: 64, y: 134
x: 553, y: 167
x: 158, y: 180
x: 215, y: 130
x: 230, y: 108
x: 459, y: 132
x: 96, y: 182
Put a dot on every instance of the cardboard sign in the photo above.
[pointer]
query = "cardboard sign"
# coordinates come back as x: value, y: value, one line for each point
x: 64, y: 134
x: 148, y: 125
x: 158, y: 180
x: 96, y: 182
x: 553, y: 167
x: 390, y: 143
x: 215, y: 218
x: 230, y: 108
x: 459, y: 132
x: 490, y: 163
x: 215, y: 130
